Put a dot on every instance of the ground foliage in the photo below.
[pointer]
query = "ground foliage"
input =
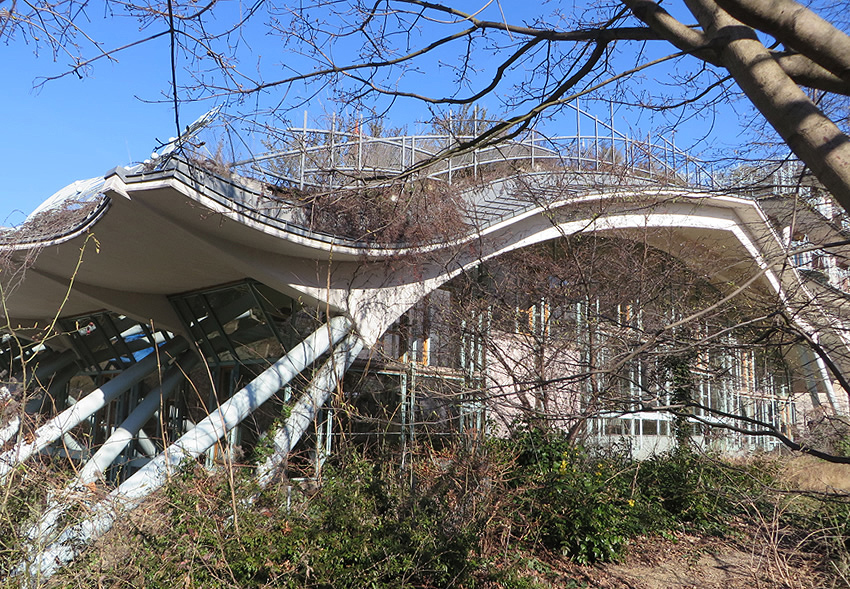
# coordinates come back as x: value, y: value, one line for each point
x: 23, y: 496
x: 487, y: 516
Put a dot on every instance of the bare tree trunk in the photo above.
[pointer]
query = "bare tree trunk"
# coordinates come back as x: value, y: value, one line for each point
x: 796, y: 26
x: 813, y: 137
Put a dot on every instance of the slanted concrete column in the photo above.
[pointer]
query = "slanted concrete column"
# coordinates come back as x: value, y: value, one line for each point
x: 202, y: 437
x: 304, y: 411
x: 111, y: 448
x: 88, y: 405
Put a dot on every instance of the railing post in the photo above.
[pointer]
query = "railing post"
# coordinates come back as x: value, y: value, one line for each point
x: 360, y: 148
x: 303, y: 152
x: 613, y: 150
x: 578, y: 131
x: 673, y: 153
x: 475, y: 150
x: 332, y: 155
x: 596, y: 142
x: 449, y: 145
x: 533, y: 137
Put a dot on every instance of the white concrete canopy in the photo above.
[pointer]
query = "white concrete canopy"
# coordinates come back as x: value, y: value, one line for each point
x: 185, y: 228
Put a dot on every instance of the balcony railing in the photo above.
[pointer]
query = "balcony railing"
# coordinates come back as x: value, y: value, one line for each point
x: 336, y: 157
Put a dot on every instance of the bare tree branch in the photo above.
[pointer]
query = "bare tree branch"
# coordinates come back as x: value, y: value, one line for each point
x: 799, y: 28
x: 767, y: 430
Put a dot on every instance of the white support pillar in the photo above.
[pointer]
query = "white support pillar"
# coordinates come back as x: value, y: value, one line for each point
x: 304, y: 412
x: 10, y: 430
x: 154, y: 474
x: 88, y: 405
x: 827, y: 384
x: 110, y: 449
x: 145, y: 444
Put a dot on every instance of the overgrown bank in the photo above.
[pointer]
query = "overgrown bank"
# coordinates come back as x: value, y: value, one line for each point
x: 502, y: 515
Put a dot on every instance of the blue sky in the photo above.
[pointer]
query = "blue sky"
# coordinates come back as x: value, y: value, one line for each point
x: 73, y: 128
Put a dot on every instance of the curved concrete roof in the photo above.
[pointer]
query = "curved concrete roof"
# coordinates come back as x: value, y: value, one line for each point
x: 142, y: 236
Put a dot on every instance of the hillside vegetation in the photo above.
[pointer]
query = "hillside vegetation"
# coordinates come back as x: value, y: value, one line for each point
x: 531, y: 512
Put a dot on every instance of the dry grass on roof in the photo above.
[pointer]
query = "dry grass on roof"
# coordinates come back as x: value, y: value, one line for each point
x: 50, y: 223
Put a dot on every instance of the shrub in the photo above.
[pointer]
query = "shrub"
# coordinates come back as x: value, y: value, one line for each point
x: 365, y: 526
x: 586, y: 505
x: 451, y: 517
x: 685, y: 484
x: 583, y: 505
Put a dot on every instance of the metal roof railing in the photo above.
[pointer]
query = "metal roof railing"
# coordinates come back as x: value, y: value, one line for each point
x: 315, y: 157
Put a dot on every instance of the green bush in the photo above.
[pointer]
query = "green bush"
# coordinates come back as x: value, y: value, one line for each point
x: 587, y: 505
x: 451, y: 517
x: 582, y: 505
x: 370, y: 530
x: 702, y: 492
x: 685, y: 484
x: 23, y: 496
x: 363, y: 527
